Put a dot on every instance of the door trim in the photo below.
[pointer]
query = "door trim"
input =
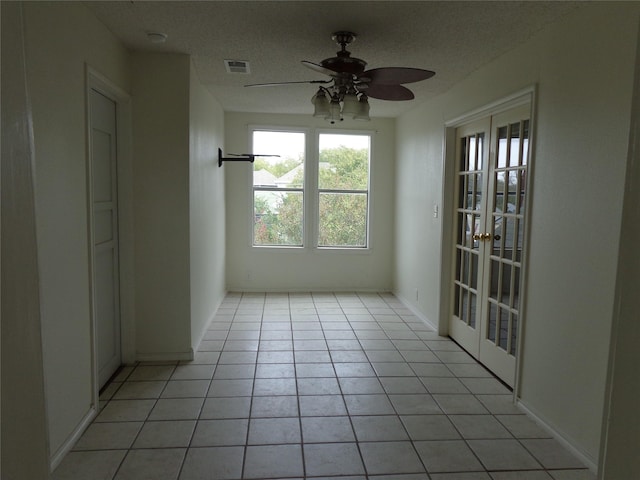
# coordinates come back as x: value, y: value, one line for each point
x: 526, y: 96
x: 124, y: 177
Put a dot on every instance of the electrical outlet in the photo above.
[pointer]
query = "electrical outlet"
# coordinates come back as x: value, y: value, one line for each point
x: 416, y: 294
x: 435, y: 210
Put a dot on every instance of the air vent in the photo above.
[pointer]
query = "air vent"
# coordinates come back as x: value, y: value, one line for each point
x: 236, y: 66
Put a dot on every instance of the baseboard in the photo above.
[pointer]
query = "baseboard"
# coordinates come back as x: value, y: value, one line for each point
x: 196, y: 347
x: 306, y: 290
x: 560, y: 436
x: 72, y: 439
x: 165, y: 356
x: 415, y: 311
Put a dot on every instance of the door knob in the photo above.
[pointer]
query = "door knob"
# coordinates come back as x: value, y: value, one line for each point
x: 482, y: 236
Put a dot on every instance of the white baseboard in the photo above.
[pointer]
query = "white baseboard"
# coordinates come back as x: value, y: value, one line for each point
x: 164, y: 356
x: 558, y: 435
x: 296, y: 289
x: 415, y: 311
x: 71, y: 440
x: 196, y: 347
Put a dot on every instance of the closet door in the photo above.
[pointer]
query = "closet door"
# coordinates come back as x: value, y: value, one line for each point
x: 104, y: 235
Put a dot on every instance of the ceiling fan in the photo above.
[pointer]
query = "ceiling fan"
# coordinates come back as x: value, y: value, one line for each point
x: 347, y: 92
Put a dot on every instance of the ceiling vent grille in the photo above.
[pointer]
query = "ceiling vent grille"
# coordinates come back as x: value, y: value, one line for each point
x: 237, y: 66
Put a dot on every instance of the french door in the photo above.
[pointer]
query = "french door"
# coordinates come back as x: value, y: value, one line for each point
x: 492, y: 157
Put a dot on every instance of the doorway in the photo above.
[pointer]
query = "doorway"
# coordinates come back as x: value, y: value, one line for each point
x: 103, y: 200
x: 492, y: 157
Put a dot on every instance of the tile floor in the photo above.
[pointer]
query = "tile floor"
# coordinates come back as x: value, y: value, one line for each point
x: 311, y: 386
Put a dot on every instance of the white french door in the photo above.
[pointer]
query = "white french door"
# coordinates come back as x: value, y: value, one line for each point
x: 104, y: 235
x: 492, y: 157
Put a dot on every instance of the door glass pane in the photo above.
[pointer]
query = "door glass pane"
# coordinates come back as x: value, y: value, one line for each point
x: 464, y: 155
x: 504, y: 328
x: 458, y: 264
x: 493, y: 319
x: 480, y: 148
x: 497, y: 234
x: 494, y: 280
x: 501, y: 154
x: 478, y: 191
x: 498, y: 202
x: 515, y: 298
x: 467, y: 198
x: 472, y: 165
x: 464, y: 316
x: 505, y: 288
x: 514, y: 150
x: 470, y: 229
x: 525, y: 142
x: 472, y: 310
x: 456, y: 302
x: 509, y: 235
x: 474, y: 269
x: 522, y: 184
x: 514, y: 334
x: 461, y: 228
x: 465, y: 275
x: 512, y: 188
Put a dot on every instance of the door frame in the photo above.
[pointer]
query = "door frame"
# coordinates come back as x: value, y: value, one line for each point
x: 526, y: 96
x: 94, y: 80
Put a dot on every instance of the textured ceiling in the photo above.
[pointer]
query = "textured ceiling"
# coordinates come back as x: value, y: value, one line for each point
x: 452, y: 38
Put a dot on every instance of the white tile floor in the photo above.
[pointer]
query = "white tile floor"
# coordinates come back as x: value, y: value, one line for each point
x: 301, y: 386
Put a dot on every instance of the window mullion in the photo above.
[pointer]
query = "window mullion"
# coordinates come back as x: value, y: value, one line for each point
x: 311, y: 193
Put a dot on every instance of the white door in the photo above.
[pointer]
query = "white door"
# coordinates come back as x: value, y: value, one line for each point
x: 492, y: 157
x: 104, y: 235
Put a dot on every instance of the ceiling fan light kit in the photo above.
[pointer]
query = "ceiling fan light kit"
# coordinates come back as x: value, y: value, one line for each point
x: 348, y: 91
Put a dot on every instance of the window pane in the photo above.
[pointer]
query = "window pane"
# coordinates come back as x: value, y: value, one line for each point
x: 277, y: 218
x: 285, y: 171
x: 344, y: 162
x: 343, y: 220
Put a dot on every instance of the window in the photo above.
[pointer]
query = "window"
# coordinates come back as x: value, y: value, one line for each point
x: 278, y: 188
x: 334, y: 193
x: 343, y: 190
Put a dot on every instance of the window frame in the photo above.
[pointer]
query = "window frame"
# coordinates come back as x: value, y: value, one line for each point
x: 311, y: 191
x: 317, y: 191
x: 302, y: 190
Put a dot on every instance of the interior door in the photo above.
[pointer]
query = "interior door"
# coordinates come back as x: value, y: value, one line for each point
x: 493, y: 157
x: 104, y: 235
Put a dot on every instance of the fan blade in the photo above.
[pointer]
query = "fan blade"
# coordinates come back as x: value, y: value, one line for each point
x: 389, y: 92
x: 396, y: 75
x: 318, y: 68
x: 275, y: 84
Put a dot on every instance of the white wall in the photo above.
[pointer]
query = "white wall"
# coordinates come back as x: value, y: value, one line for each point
x: 583, y: 66
x: 621, y: 422
x: 24, y: 445
x: 206, y: 207
x: 60, y: 38
x: 307, y: 269
x: 160, y: 104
